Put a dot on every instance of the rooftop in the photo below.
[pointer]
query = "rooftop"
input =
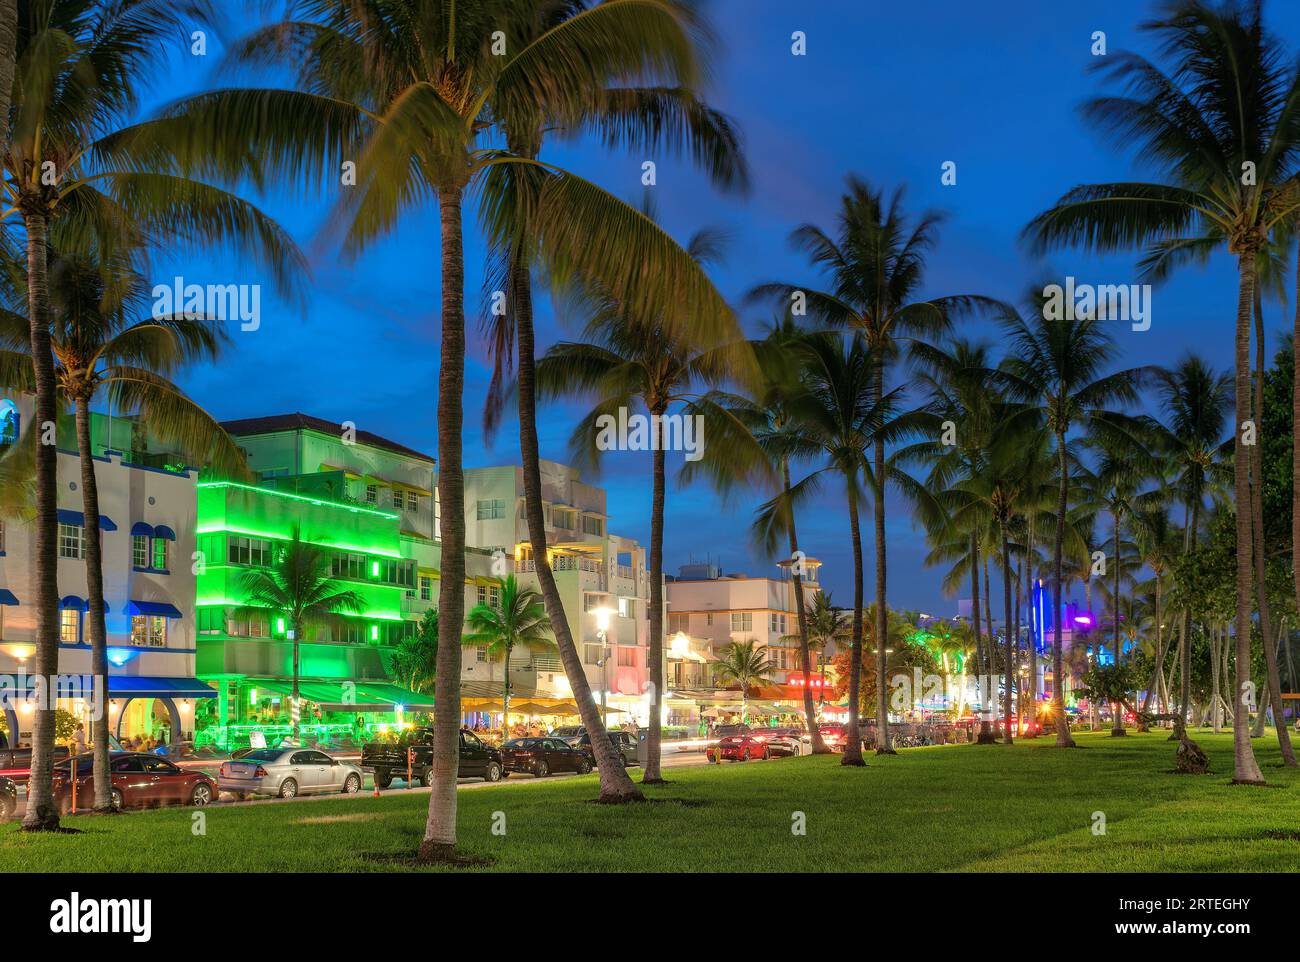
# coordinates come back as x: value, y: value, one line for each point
x: 305, y: 422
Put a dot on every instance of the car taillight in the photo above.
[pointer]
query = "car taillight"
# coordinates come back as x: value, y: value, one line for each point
x: 260, y: 773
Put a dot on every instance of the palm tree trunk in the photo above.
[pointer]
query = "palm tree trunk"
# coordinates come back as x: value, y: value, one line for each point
x: 1008, y: 667
x: 41, y: 813
x: 295, y: 703
x: 1117, y: 711
x: 439, y: 842
x: 984, y: 658
x: 988, y: 614
x: 615, y: 784
x: 1245, y: 768
x: 505, y: 699
x: 1215, y: 662
x: 1154, y: 688
x: 883, y: 746
x: 1274, y: 681
x: 650, y: 774
x: 8, y: 45
x: 1063, y: 737
x: 95, y: 587
x: 1185, y: 632
x: 805, y: 656
x: 1295, y: 443
x: 852, y: 737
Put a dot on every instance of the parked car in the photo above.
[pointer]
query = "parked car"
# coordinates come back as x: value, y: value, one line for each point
x: 569, y: 732
x: 541, y: 756
x: 624, y: 744
x: 138, y: 780
x: 287, y: 772
x: 727, y: 731
x: 16, y: 763
x: 388, y: 759
x: 8, y: 797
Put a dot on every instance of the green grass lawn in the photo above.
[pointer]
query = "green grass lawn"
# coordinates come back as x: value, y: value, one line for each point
x: 954, y: 808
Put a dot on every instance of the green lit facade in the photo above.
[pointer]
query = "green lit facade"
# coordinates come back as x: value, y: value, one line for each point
x: 248, y: 656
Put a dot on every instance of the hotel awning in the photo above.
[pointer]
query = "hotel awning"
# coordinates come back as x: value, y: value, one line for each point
x: 7, y: 597
x: 157, y: 608
x: 144, y: 686
x: 78, y: 518
x: 365, y: 696
x: 396, y: 695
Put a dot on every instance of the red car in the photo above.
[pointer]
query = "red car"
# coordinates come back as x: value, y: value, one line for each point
x: 740, y: 748
x: 138, y: 781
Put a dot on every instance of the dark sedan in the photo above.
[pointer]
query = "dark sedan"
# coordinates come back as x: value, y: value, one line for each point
x: 8, y: 797
x: 138, y: 780
x: 541, y: 756
x: 623, y: 743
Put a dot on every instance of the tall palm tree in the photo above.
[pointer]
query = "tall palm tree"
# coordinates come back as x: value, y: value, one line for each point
x: 97, y: 347
x: 414, y: 661
x: 875, y: 263
x: 628, y: 361
x: 1218, y: 124
x: 72, y: 180
x: 743, y: 664
x: 1055, y: 368
x: 826, y: 625
x: 517, y: 620
x: 410, y: 95
x: 1194, y: 404
x: 839, y: 414
x: 299, y: 584
x: 766, y: 414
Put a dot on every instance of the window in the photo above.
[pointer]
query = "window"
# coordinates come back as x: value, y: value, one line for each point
x: 481, y: 653
x: 426, y: 588
x: 494, y: 596
x: 72, y: 541
x: 69, y: 626
x: 349, y: 566
x: 708, y: 619
x: 412, y: 501
x: 372, y: 494
x: 627, y: 657
x: 592, y: 525
x: 742, y: 621
x: 397, y: 498
x: 481, y: 594
x: 680, y: 622
x: 564, y: 518
x: 397, y: 571
x: 491, y: 509
x: 626, y: 608
x: 351, y: 632
x: 591, y: 653
x: 149, y: 631
x: 140, y: 550
x: 242, y: 551
x: 160, y: 554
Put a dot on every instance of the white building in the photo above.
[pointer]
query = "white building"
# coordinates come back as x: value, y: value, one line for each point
x: 594, y: 570
x: 147, y: 522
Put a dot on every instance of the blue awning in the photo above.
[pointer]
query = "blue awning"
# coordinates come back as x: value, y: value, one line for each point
x: 75, y: 603
x: 7, y: 597
x: 140, y: 528
x: 159, y: 608
x: 123, y: 686
x: 78, y: 518
x: 162, y: 531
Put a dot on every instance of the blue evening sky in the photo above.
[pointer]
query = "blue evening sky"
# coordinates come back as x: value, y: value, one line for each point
x: 889, y: 91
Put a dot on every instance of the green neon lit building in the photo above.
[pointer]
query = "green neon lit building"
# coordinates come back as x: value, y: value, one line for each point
x: 248, y: 655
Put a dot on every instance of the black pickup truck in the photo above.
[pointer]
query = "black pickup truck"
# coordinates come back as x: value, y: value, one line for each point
x: 389, y: 759
x: 16, y: 763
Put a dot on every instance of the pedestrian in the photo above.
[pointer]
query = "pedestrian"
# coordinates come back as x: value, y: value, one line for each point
x: 79, y: 738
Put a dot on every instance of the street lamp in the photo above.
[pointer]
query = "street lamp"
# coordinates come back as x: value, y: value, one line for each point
x: 602, y: 633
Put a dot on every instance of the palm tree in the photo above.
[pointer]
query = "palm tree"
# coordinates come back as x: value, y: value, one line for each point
x: 517, y: 620
x: 743, y: 665
x: 408, y: 101
x: 876, y: 266
x: 630, y: 360
x: 299, y: 584
x: 1194, y: 404
x: 1219, y: 125
x: 766, y: 414
x: 414, y: 661
x: 96, y: 348
x: 73, y: 180
x: 839, y: 413
x: 825, y: 626
x: 1055, y: 369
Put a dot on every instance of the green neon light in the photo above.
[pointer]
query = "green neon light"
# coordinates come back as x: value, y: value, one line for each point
x: 374, y: 568
x: 366, y: 615
x: 374, y: 632
x: 227, y: 529
x: 298, y: 497
x: 279, y: 626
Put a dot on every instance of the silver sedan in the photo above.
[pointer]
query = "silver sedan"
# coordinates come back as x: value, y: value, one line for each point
x: 287, y: 772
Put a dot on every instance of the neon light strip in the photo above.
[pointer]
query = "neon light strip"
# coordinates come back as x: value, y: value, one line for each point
x: 228, y: 603
x: 281, y: 537
x: 298, y: 497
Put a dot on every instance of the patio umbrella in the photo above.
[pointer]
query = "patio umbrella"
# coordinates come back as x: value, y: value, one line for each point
x: 485, y: 706
x: 529, y: 708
